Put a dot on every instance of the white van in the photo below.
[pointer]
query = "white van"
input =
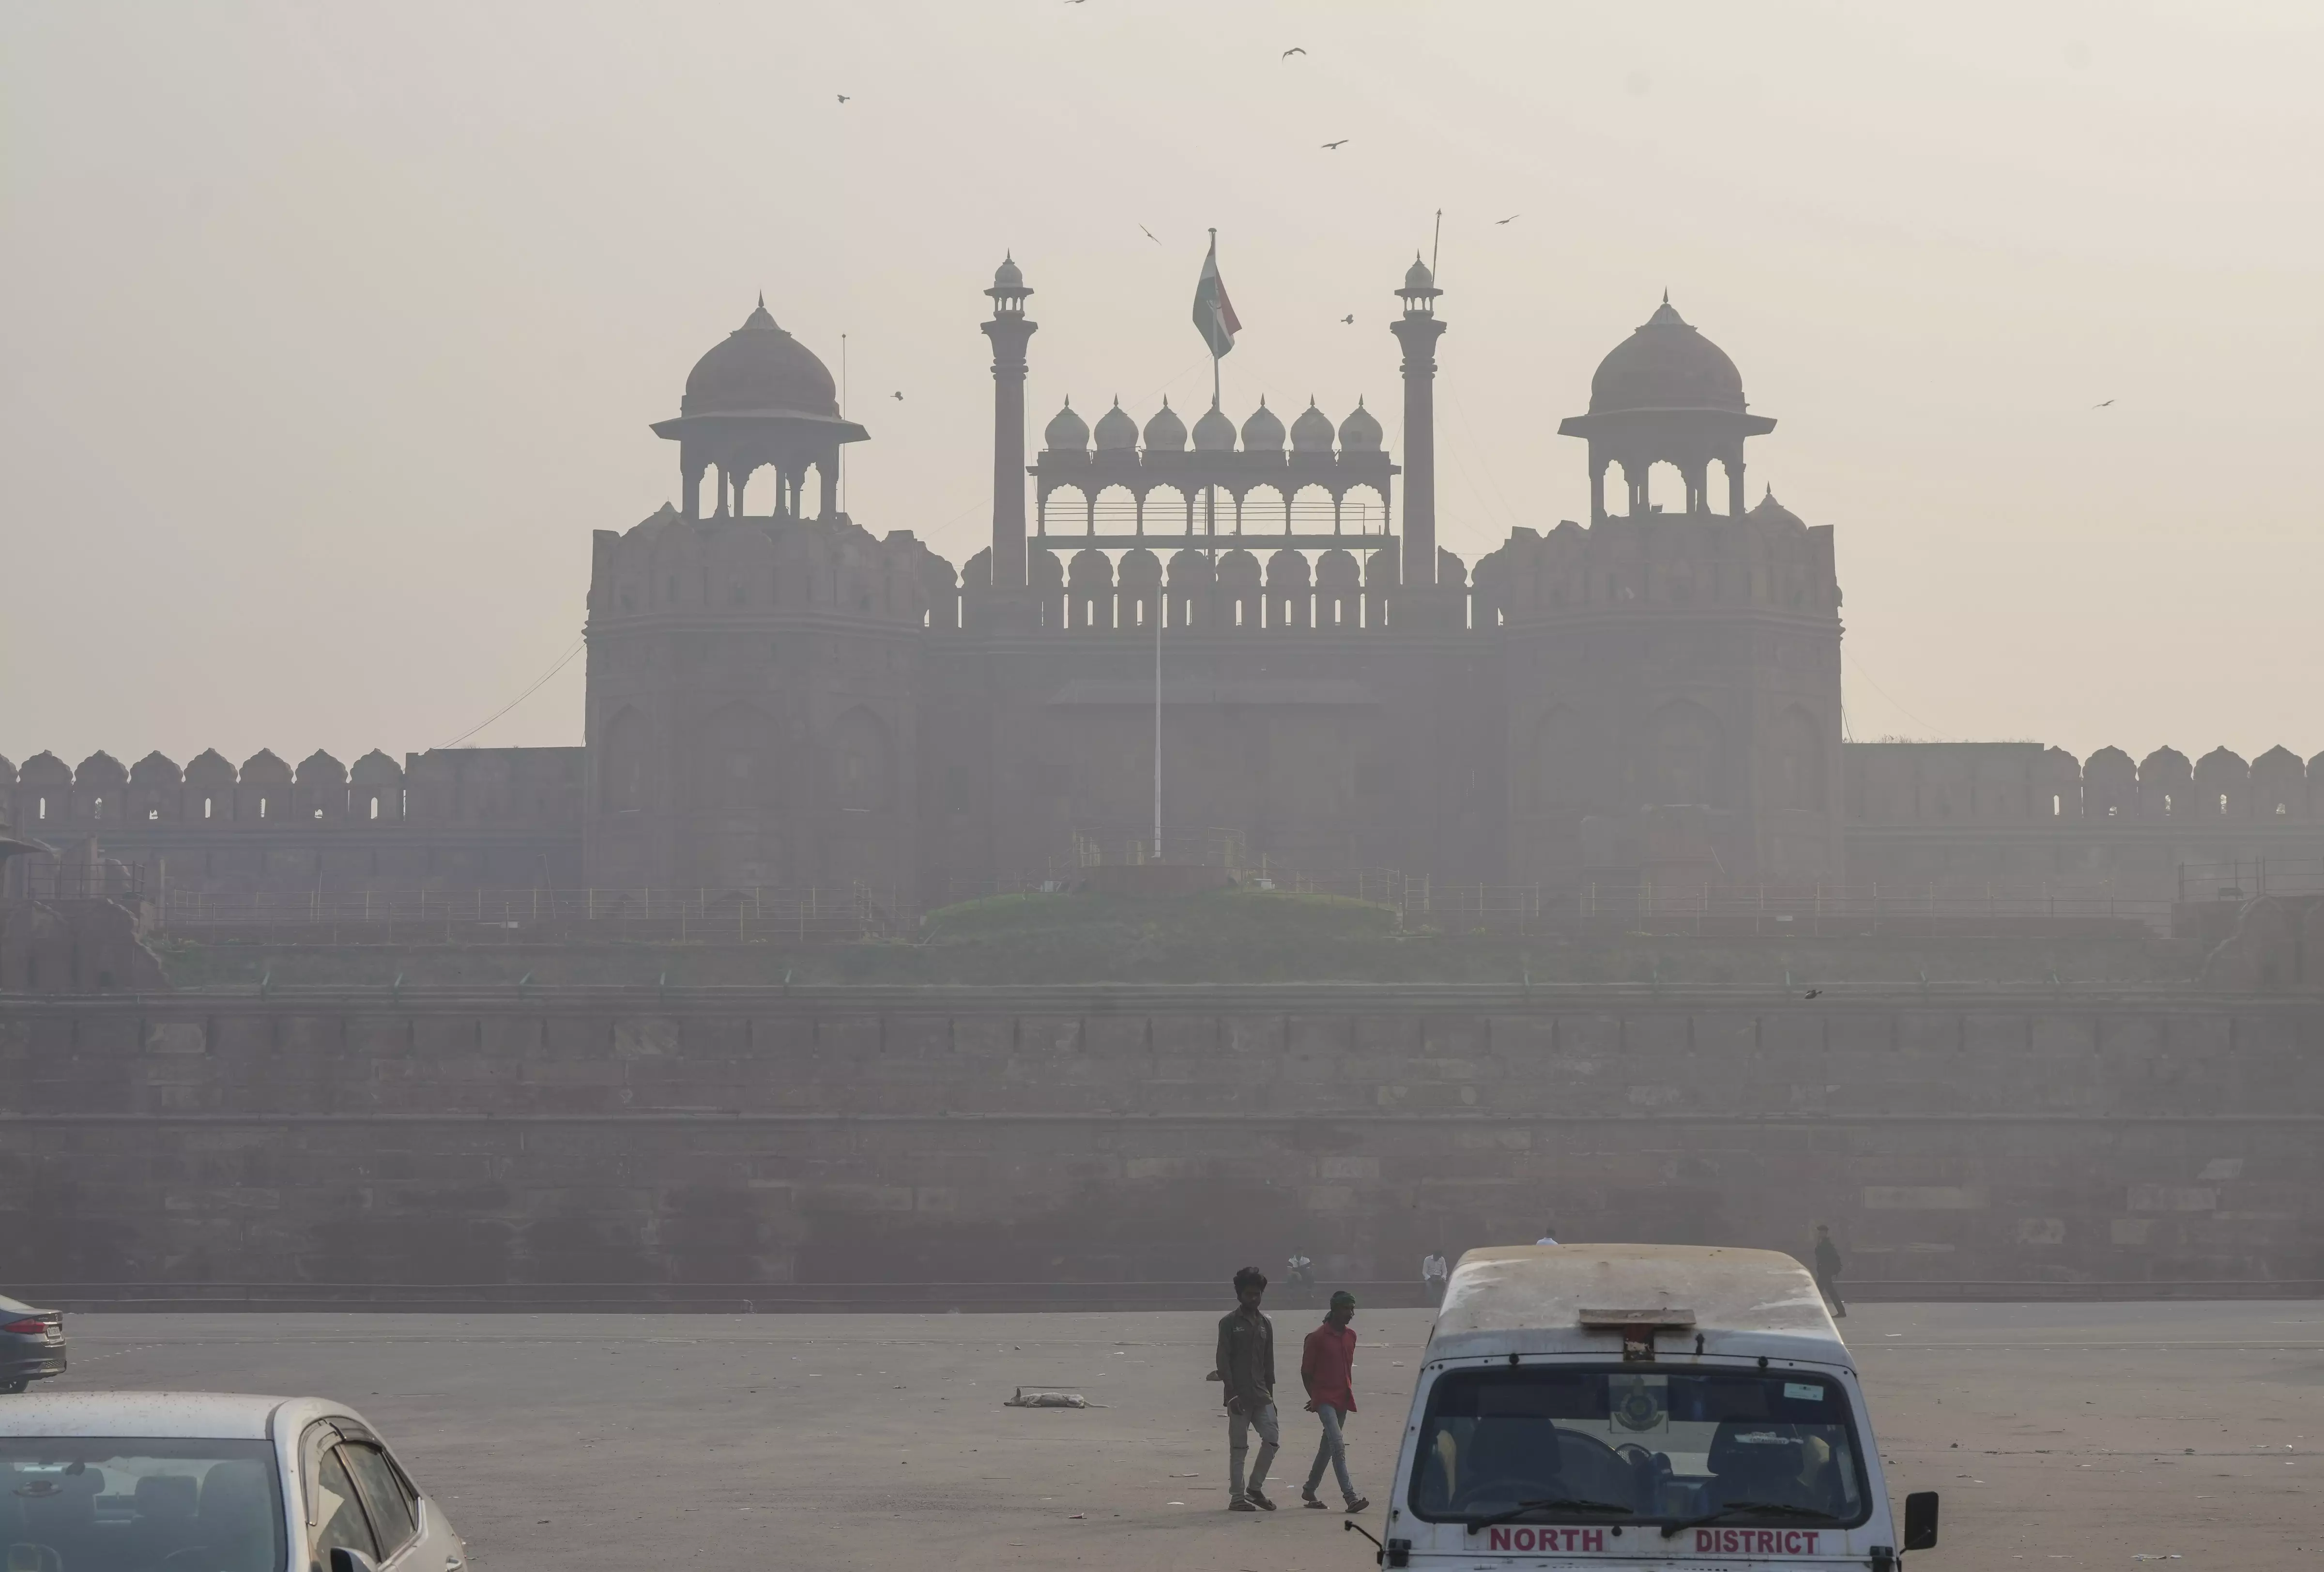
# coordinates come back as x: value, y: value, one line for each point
x: 1640, y: 1405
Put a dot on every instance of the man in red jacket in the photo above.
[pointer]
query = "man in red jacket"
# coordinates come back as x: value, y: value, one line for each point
x: 1327, y: 1366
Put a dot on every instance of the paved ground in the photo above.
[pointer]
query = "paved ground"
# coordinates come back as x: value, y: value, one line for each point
x: 2061, y: 1435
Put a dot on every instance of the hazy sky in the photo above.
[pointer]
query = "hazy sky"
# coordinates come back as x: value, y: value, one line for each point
x: 329, y: 332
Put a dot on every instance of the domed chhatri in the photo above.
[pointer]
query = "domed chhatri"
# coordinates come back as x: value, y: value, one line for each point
x: 1311, y: 432
x: 1066, y: 432
x: 1360, y: 432
x: 760, y: 370
x: 1667, y: 395
x: 1166, y: 433
x: 1666, y: 364
x: 1214, y: 433
x: 1116, y: 431
x: 759, y: 400
x: 1263, y: 432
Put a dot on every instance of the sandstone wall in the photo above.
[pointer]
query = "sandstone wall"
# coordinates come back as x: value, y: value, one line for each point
x: 744, y: 1135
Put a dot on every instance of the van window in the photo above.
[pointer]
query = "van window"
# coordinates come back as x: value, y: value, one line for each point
x: 1619, y: 1445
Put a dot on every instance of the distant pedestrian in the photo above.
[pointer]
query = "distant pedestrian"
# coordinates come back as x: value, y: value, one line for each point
x: 1246, y: 1363
x: 1302, y: 1277
x: 1547, y: 1229
x: 1433, y: 1274
x: 1827, y: 1269
x: 1327, y: 1369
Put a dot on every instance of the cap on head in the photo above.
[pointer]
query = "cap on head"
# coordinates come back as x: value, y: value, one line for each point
x: 1344, y: 1298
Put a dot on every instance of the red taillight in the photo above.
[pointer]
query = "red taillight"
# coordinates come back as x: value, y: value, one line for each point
x: 29, y: 1326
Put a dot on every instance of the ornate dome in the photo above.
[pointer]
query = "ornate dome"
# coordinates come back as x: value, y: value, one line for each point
x: 1066, y: 432
x: 1116, y: 430
x: 1263, y: 432
x: 1166, y: 433
x: 1775, y: 512
x: 758, y: 368
x: 1359, y: 433
x: 1213, y: 432
x: 1417, y: 278
x: 1311, y: 432
x: 1666, y: 364
x: 1007, y: 276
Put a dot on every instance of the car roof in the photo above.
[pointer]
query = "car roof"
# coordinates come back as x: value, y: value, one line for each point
x: 178, y: 1415
x: 1531, y: 1298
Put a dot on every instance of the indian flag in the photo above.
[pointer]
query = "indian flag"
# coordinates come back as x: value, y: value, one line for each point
x: 1214, y: 314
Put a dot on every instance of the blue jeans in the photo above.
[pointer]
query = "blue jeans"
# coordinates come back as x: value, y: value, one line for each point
x: 1238, y: 1428
x: 1333, y: 1450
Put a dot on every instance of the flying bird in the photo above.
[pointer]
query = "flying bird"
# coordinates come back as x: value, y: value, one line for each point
x: 1342, y: 143
x: 2101, y: 406
x: 1512, y: 218
x: 898, y: 397
x: 1351, y: 316
x: 1812, y: 992
x: 1141, y: 228
x: 1294, y: 50
x: 842, y: 97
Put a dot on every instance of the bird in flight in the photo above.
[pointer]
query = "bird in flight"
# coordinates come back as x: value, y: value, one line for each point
x: 898, y: 397
x: 842, y: 97
x: 1294, y: 50
x: 1351, y: 316
x: 1512, y: 218
x: 1342, y: 143
x: 2101, y: 406
x: 1812, y: 992
x: 1149, y: 234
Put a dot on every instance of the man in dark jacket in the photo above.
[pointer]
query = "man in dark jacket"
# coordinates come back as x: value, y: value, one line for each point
x: 1246, y: 1363
x: 1827, y: 1269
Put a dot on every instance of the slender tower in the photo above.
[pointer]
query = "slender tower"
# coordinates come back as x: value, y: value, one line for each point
x: 1009, y: 331
x: 1417, y: 330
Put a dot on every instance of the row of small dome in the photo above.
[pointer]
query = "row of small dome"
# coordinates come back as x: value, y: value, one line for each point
x: 1264, y: 432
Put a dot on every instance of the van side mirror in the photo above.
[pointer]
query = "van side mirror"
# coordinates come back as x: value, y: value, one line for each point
x: 344, y: 1559
x: 1920, y: 1521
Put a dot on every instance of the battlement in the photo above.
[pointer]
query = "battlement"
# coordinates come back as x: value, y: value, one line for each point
x: 2002, y: 783
x: 535, y: 787
x: 1767, y: 559
x: 668, y: 564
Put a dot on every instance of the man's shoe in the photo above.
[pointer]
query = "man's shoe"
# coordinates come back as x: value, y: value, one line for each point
x: 1259, y: 1501
x: 1306, y: 1499
x: 1239, y: 1504
x: 1361, y: 1504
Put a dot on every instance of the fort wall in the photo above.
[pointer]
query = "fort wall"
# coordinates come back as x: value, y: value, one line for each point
x: 738, y: 1135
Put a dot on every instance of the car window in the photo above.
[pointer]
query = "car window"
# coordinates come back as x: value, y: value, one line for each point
x: 127, y: 1504
x: 383, y: 1492
x: 337, y: 1514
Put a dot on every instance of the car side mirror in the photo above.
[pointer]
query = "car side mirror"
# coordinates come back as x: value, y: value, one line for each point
x: 1920, y: 1521
x: 344, y: 1559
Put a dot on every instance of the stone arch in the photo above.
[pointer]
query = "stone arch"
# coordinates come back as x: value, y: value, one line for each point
x: 43, y: 790
x: 1263, y: 509
x: 2057, y: 785
x: 1067, y: 510
x: 1339, y: 591
x: 156, y: 787
x: 2222, y: 787
x: 1382, y: 574
x: 1089, y: 590
x: 2110, y: 785
x: 1241, y: 601
x: 1799, y: 760
x: 740, y: 765
x: 1138, y: 594
x: 1363, y: 510
x: 2165, y: 786
x: 621, y: 787
x: 1192, y: 587
x: 1287, y: 589
x: 375, y: 789
x: 262, y: 794
x: 1114, y: 510
x: 209, y: 788
x: 1166, y: 511
x: 100, y: 790
x: 1049, y: 582
x: 1683, y: 761
x: 862, y: 762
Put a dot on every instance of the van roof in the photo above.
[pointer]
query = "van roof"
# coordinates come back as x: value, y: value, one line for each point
x: 1567, y: 1298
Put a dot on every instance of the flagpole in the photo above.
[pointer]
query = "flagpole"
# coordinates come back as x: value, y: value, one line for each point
x: 1161, y: 601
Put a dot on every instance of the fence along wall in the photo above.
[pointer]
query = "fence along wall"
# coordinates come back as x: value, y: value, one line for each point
x: 1036, y: 1135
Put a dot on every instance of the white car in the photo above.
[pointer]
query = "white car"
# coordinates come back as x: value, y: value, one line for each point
x: 208, y: 1482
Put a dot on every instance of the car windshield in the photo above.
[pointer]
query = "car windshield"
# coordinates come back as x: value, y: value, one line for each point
x: 1621, y: 1445
x: 74, y: 1503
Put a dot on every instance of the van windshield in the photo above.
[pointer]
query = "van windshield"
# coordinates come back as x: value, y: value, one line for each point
x: 77, y: 1503
x: 1600, y: 1445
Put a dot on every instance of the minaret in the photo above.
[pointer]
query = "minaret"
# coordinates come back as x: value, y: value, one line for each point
x: 1009, y: 330
x: 1417, y: 330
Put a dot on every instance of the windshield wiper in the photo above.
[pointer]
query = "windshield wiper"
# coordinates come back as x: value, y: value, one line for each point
x: 1738, y: 1508
x: 1553, y: 1504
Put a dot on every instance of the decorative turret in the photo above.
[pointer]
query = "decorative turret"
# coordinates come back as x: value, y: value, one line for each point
x: 1010, y: 332
x: 1263, y: 432
x: 1066, y: 432
x: 1214, y: 433
x: 1310, y: 433
x: 1361, y: 431
x: 1166, y: 433
x: 1116, y: 431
